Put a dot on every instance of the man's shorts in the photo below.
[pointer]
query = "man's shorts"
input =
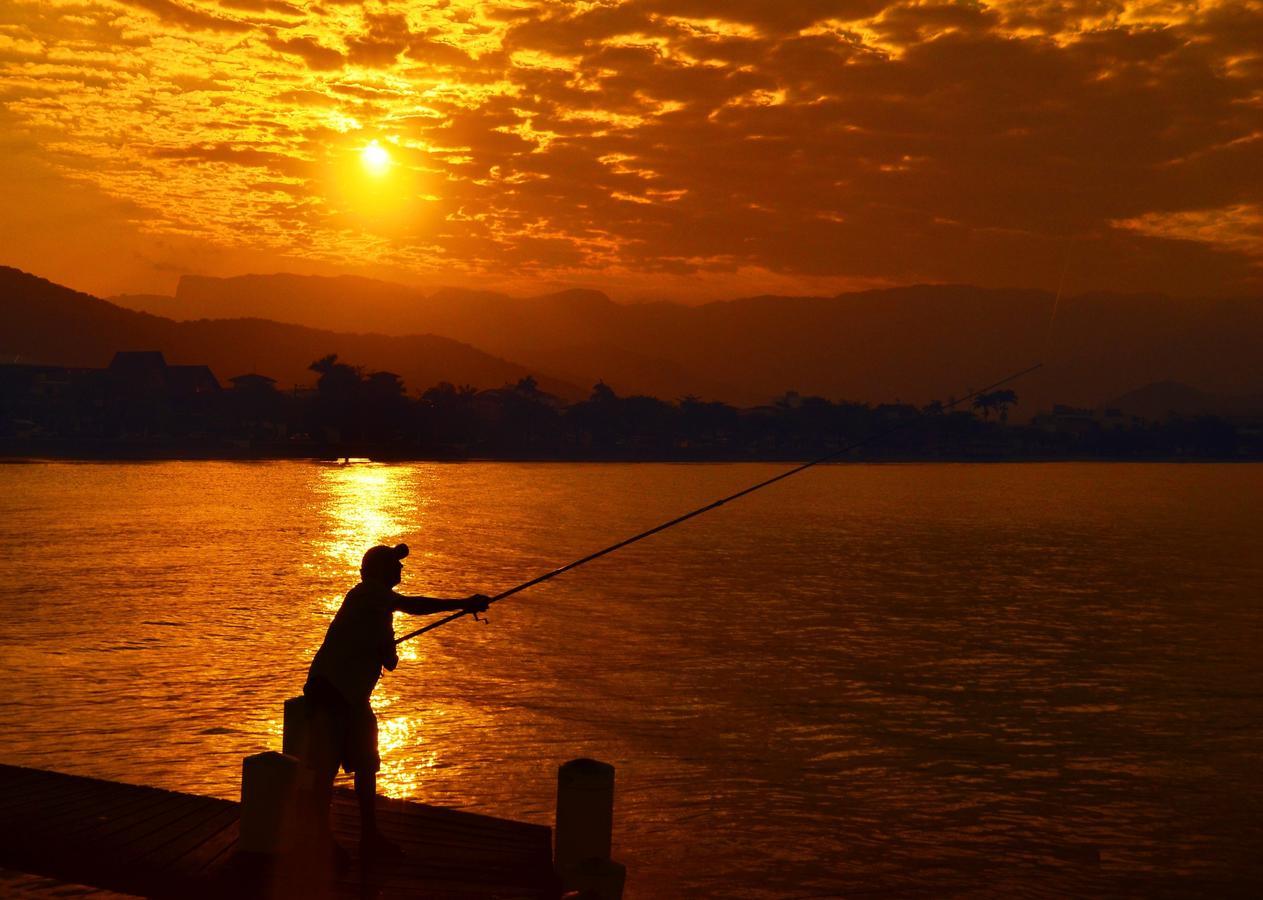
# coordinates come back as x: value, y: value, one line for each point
x: 341, y: 733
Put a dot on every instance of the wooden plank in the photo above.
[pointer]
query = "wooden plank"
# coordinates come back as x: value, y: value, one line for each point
x: 57, y: 794
x: 117, y: 859
x: 446, y: 889
x: 420, y: 818
x: 493, y: 864
x: 31, y: 795
x: 439, y: 884
x: 87, y: 857
x: 109, y: 817
x: 429, y: 833
x: 456, y: 817
x: 193, y: 835
x: 61, y: 801
x: 485, y: 875
x: 408, y: 876
x: 15, y: 884
x: 58, y: 819
x: 423, y: 818
x: 184, y: 829
x: 48, y: 776
x: 480, y: 867
x: 469, y: 852
x: 423, y: 874
x: 51, y: 810
x: 13, y: 777
x: 110, y: 822
x: 213, y: 851
x: 134, y: 841
x: 438, y: 848
x: 38, y: 834
x: 430, y: 852
x: 431, y: 847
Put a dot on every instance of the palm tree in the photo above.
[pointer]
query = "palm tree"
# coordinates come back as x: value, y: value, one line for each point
x: 602, y: 393
x: 338, y: 391
x: 528, y: 387
x: 1003, y: 400
x: 995, y: 400
x: 335, y: 378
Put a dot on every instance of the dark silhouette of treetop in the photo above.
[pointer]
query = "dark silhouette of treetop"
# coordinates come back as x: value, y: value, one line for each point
x: 998, y: 401
x: 602, y: 393
x: 351, y: 411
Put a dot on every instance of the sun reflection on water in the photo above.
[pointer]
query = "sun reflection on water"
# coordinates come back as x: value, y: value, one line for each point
x: 367, y: 504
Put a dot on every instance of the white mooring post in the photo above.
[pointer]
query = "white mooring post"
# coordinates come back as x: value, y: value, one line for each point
x: 269, y: 783
x: 585, y: 825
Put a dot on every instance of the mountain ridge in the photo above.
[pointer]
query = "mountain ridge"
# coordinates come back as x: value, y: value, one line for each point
x: 52, y: 324
x: 1161, y: 399
x: 914, y: 343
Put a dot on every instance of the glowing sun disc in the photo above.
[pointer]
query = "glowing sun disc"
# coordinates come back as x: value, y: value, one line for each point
x: 375, y: 158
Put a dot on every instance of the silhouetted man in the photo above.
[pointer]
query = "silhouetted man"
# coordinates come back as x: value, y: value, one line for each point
x: 359, y: 643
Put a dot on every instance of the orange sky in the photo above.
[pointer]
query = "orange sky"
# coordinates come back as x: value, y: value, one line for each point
x: 655, y: 148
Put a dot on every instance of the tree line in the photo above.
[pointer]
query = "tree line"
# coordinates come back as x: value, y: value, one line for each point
x: 352, y: 411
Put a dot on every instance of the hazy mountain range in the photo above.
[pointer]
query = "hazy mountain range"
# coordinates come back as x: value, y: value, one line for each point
x: 42, y: 322
x: 912, y: 344
x: 1157, y: 401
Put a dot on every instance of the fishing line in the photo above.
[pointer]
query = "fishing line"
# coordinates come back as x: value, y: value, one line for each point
x: 1061, y: 285
x: 847, y: 448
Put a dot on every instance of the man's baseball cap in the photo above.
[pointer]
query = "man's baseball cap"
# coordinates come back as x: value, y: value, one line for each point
x: 379, y: 558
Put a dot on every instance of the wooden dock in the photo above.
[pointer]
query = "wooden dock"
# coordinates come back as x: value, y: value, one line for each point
x: 157, y: 843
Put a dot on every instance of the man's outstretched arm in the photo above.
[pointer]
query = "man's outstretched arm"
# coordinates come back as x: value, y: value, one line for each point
x: 428, y: 606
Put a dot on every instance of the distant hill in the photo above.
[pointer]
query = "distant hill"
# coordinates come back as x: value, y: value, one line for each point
x: 42, y: 322
x: 161, y: 305
x: 912, y: 344
x: 566, y: 333
x: 1166, y: 398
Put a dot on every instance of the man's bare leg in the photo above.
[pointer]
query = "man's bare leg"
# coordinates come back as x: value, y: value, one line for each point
x: 366, y: 792
x: 321, y: 831
x: 372, y: 843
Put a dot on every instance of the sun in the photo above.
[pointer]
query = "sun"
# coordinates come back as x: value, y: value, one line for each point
x: 375, y: 158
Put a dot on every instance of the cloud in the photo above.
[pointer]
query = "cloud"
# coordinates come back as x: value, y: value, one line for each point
x: 826, y: 142
x: 1237, y: 227
x: 188, y: 16
x: 386, y: 36
x: 246, y: 155
x: 272, y: 6
x: 777, y: 18
x: 316, y: 55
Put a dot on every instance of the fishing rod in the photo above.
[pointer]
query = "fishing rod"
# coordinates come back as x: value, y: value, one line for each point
x: 847, y: 448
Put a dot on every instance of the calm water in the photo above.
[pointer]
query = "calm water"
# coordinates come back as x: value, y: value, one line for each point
x: 1029, y: 680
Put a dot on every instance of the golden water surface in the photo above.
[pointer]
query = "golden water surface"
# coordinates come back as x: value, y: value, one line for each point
x: 1001, y: 680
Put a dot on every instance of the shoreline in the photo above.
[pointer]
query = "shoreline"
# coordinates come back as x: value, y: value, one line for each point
x: 151, y: 456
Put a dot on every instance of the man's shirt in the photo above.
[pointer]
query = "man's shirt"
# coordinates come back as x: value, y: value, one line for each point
x: 360, y: 639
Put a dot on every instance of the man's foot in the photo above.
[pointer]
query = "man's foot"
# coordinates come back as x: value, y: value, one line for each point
x: 376, y: 847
